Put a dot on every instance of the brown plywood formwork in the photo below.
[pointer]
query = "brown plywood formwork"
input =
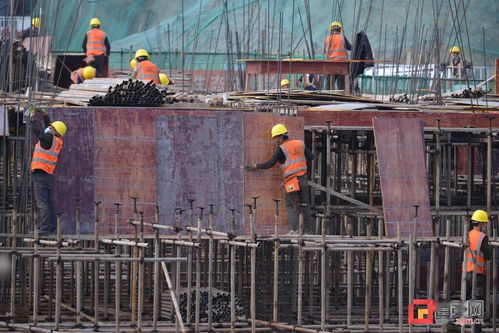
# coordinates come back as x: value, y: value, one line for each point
x: 163, y: 157
x: 403, y: 177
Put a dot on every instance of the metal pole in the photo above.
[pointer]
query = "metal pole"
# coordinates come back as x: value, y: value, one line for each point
x: 210, y: 269
x: 275, y: 295
x: 198, y: 272
x: 156, y: 292
x: 300, y: 268
x: 233, y: 275
x: 58, y: 278
x: 189, y: 263
x: 117, y: 288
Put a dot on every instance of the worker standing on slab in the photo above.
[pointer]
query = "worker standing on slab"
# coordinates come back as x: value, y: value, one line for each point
x: 476, y: 257
x: 455, y: 61
x: 293, y: 156
x: 82, y: 74
x: 145, y: 69
x: 43, y: 163
x: 96, y: 44
x: 336, y: 47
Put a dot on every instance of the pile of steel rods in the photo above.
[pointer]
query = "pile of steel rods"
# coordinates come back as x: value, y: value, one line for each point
x: 130, y: 93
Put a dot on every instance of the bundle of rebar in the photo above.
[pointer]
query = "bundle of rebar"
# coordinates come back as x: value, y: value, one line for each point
x: 130, y: 93
x: 220, y: 305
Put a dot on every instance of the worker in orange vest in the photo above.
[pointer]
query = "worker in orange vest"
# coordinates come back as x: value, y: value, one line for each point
x: 43, y: 163
x: 293, y: 156
x: 336, y: 47
x: 477, y: 254
x: 96, y: 44
x: 145, y: 69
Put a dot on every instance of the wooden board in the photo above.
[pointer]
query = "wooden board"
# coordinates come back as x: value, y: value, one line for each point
x: 403, y: 176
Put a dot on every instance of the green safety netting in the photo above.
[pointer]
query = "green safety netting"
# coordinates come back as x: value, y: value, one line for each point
x: 156, y: 25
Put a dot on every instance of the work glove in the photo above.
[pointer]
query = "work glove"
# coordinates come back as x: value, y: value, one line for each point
x: 42, y: 111
x: 250, y: 167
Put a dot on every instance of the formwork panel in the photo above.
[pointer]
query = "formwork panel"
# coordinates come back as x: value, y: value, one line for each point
x: 112, y: 153
x: 266, y: 184
x: 74, y: 174
x: 199, y: 157
x: 403, y: 177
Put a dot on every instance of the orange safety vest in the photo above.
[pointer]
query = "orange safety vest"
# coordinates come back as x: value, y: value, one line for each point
x: 296, y: 163
x: 95, y: 42
x: 335, y: 47
x: 44, y: 159
x: 146, y: 70
x: 474, y: 256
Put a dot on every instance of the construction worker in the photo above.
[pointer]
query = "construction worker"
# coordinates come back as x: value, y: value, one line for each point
x: 33, y: 30
x: 284, y: 84
x: 145, y: 69
x: 455, y: 61
x: 293, y: 156
x: 82, y: 74
x: 336, y: 47
x: 308, y: 81
x: 43, y: 163
x: 477, y: 254
x: 96, y: 44
x: 165, y: 80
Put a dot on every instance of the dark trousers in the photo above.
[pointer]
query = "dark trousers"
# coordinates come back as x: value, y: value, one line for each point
x: 98, y: 64
x: 42, y: 183
x: 480, y: 290
x: 298, y: 202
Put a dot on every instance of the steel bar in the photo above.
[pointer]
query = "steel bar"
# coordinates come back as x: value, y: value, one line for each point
x: 174, y: 299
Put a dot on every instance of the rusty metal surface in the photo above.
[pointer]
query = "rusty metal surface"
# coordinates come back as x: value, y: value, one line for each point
x: 74, y: 174
x: 200, y: 157
x: 297, y: 67
x: 403, y: 175
x: 266, y: 184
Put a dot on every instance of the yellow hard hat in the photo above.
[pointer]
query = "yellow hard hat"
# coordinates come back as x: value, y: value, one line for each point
x: 278, y: 130
x: 163, y: 78
x: 480, y: 216
x: 94, y: 21
x: 133, y: 62
x: 88, y: 73
x: 60, y: 127
x: 141, y: 53
x: 35, y: 22
x: 284, y: 82
x: 335, y: 24
x: 455, y: 49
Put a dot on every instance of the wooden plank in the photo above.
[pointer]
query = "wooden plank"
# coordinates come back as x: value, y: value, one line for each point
x: 400, y: 150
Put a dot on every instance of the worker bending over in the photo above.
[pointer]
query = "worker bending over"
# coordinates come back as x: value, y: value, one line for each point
x: 336, y: 47
x: 82, y: 74
x: 145, y: 69
x: 43, y: 164
x: 96, y: 44
x: 293, y: 156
